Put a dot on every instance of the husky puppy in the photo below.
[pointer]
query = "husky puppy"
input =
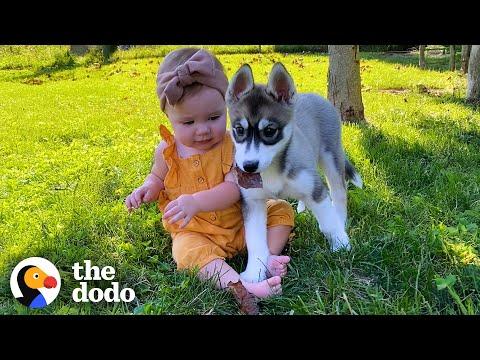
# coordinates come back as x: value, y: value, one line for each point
x: 284, y: 136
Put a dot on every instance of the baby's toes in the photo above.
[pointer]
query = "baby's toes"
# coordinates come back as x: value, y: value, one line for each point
x: 277, y: 289
x: 281, y: 268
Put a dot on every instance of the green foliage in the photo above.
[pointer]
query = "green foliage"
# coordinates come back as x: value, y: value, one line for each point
x: 63, y: 60
x: 17, y: 57
x: 94, y: 56
x: 324, y: 48
x: 381, y: 48
x: 140, y: 52
x: 77, y: 139
x: 448, y: 283
x: 301, y: 48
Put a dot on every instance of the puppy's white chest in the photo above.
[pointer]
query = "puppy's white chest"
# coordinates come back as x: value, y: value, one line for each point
x: 273, y: 183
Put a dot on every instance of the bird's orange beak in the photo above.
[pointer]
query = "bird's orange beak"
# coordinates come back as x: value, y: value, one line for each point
x: 50, y: 282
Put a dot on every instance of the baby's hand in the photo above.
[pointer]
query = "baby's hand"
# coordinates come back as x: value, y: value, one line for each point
x: 184, y: 207
x: 144, y: 194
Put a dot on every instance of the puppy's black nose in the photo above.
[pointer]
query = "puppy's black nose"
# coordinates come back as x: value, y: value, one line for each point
x: 250, y: 166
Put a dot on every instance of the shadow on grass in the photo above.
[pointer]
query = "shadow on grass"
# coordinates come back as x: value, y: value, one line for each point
x: 65, y: 63
x: 449, y: 98
x: 440, y: 63
x: 398, y: 159
x: 48, y: 71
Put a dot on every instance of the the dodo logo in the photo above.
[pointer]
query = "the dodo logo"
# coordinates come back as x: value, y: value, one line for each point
x: 35, y: 282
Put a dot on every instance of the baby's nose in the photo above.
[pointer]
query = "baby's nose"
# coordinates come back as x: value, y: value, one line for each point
x: 203, y: 129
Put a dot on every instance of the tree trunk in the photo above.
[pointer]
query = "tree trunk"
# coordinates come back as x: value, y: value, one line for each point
x: 465, y: 56
x: 78, y: 49
x: 344, y: 83
x: 421, y: 58
x: 473, y: 77
x: 452, y: 57
x: 107, y: 51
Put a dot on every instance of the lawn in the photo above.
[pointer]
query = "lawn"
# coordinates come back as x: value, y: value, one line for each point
x: 77, y: 136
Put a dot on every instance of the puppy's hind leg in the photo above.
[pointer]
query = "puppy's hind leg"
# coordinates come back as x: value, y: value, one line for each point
x: 334, y: 169
x: 329, y: 220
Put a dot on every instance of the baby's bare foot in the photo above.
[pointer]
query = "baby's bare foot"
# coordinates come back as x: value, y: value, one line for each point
x: 266, y: 288
x: 277, y: 265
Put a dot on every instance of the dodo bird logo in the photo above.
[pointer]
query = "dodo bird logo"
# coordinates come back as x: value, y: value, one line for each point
x: 35, y: 282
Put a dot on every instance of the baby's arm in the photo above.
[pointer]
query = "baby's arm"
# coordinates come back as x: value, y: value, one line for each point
x: 153, y: 183
x: 220, y: 197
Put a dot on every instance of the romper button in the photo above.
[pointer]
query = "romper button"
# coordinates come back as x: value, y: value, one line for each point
x: 213, y: 217
x: 201, y: 180
x: 196, y: 163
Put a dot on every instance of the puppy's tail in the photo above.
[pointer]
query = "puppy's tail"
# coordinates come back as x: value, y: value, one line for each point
x: 352, y: 175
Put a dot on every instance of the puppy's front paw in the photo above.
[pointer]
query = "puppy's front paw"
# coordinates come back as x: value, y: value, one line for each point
x: 255, y: 273
x: 338, y: 241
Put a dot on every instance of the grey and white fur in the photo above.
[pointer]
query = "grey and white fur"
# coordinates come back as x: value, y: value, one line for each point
x: 284, y: 136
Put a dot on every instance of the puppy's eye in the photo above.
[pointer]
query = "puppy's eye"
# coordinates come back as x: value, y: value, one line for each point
x: 240, y: 130
x: 269, y: 132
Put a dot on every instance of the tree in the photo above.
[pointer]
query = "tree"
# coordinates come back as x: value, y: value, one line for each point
x: 78, y: 49
x: 421, y: 58
x: 452, y: 57
x: 344, y: 83
x: 473, y: 77
x: 108, y: 50
x: 465, y: 57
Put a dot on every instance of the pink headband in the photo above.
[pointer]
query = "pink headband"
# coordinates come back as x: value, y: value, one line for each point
x: 200, y: 68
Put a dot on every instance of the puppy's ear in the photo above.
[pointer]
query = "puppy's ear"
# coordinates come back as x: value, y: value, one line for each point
x: 241, y: 83
x: 280, y: 84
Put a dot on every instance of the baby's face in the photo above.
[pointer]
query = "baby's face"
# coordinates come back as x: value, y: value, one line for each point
x: 199, y: 120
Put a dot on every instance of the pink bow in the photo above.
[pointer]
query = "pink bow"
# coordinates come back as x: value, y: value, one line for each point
x: 200, y: 68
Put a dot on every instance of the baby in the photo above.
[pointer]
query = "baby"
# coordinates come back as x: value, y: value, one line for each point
x: 192, y: 177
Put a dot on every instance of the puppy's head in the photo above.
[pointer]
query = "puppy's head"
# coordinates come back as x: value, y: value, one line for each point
x: 261, y: 116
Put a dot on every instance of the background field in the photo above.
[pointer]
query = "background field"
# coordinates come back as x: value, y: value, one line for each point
x: 77, y: 136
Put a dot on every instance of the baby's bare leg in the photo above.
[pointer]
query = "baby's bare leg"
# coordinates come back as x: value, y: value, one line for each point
x: 222, y: 274
x: 277, y: 237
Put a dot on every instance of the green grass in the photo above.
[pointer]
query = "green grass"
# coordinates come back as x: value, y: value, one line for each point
x: 77, y: 138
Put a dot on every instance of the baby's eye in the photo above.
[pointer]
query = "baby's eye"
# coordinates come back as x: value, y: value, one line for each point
x: 188, y: 123
x: 215, y: 117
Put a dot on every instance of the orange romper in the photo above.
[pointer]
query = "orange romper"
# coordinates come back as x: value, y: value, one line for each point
x: 215, y: 234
